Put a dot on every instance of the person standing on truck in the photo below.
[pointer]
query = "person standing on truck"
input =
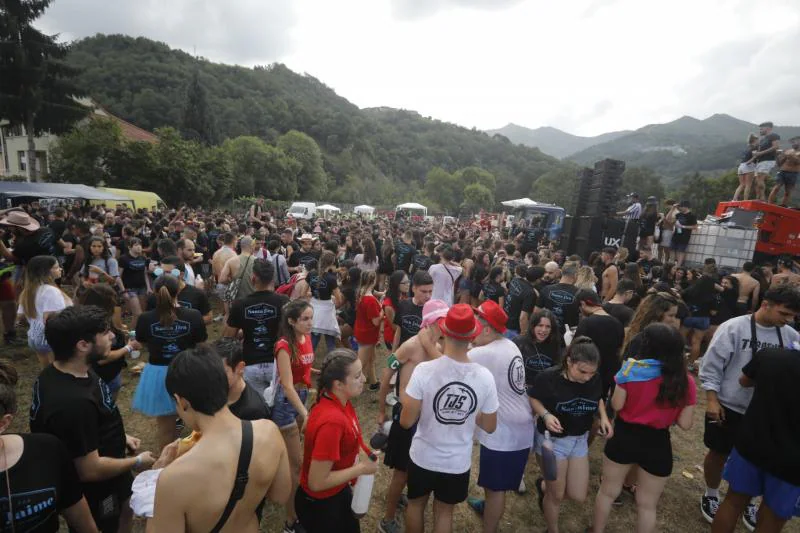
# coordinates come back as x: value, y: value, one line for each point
x: 685, y: 221
x: 789, y: 162
x: 765, y: 156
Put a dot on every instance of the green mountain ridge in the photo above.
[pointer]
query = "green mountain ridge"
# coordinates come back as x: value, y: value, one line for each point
x: 377, y: 155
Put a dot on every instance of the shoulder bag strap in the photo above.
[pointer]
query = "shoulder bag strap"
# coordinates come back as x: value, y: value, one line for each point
x: 242, y: 476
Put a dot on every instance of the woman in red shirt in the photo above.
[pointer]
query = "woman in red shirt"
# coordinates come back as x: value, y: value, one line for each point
x: 332, y: 443
x: 367, y: 330
x: 294, y: 356
x: 398, y: 286
x: 650, y: 396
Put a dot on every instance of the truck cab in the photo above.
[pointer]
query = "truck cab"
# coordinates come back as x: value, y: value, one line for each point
x: 548, y: 217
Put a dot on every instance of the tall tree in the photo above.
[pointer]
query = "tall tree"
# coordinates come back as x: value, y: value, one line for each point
x: 197, y: 121
x: 312, y: 182
x: 36, y: 86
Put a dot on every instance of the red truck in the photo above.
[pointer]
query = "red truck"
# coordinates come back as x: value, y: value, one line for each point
x: 778, y: 227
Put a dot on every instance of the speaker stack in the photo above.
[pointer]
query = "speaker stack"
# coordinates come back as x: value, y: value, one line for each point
x: 598, y: 191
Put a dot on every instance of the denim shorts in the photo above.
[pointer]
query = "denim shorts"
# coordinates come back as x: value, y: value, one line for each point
x: 700, y: 323
x: 746, y: 478
x: 565, y: 447
x: 283, y: 412
x: 259, y: 376
x: 136, y: 292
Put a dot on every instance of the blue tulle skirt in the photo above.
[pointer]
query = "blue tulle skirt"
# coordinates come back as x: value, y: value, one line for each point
x: 151, y: 397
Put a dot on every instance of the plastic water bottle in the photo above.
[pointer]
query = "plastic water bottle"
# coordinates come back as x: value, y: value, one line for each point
x: 386, y: 427
x: 362, y: 493
x: 549, y: 464
x: 134, y: 353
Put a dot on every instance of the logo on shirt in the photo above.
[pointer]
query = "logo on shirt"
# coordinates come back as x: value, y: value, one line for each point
x: 577, y: 407
x: 562, y: 297
x: 516, y: 375
x: 454, y: 403
x: 179, y: 328
x: 185, y: 304
x: 36, y: 402
x: 30, y: 509
x: 105, y: 393
x: 411, y: 323
x: 260, y: 312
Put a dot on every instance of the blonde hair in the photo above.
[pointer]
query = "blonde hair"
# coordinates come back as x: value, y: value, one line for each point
x: 37, y: 274
x: 366, y: 284
x: 586, y: 278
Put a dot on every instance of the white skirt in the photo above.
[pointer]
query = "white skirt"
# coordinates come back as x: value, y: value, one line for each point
x: 325, y: 322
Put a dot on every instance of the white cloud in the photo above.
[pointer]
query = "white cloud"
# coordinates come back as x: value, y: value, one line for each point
x: 586, y: 66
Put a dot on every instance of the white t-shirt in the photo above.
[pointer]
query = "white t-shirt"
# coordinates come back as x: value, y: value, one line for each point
x: 443, y: 279
x: 189, y: 277
x: 48, y: 300
x: 452, y: 394
x: 358, y: 261
x: 514, y: 416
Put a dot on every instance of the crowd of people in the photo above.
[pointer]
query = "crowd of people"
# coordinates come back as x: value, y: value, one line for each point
x: 462, y: 333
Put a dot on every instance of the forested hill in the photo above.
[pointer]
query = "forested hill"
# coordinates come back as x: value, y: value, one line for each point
x: 377, y: 155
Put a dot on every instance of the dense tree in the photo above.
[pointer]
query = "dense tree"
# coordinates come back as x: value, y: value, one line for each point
x: 643, y: 181
x: 87, y: 154
x: 198, y: 122
x: 36, y: 86
x: 476, y: 197
x: 312, y: 182
x: 442, y: 188
x: 557, y: 187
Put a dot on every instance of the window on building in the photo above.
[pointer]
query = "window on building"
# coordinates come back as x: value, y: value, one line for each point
x: 23, y: 161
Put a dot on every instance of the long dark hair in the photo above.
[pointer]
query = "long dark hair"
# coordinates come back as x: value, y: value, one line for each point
x: 666, y: 344
x: 103, y: 296
x: 105, y: 256
x: 539, y: 315
x: 581, y: 350
x: 292, y: 310
x: 166, y: 287
x: 370, y: 256
x: 393, y: 292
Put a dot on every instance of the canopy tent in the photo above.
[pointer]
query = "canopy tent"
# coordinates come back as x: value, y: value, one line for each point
x: 363, y: 210
x: 69, y: 191
x: 521, y: 202
x: 412, y: 206
x: 328, y: 207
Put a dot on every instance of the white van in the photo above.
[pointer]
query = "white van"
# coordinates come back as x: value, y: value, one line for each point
x: 304, y: 210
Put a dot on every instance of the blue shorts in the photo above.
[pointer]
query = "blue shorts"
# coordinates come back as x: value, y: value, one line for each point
x: 564, y: 447
x: 744, y: 477
x: 130, y: 293
x: 786, y: 178
x: 283, y: 412
x: 511, y: 334
x: 501, y: 471
x: 700, y: 323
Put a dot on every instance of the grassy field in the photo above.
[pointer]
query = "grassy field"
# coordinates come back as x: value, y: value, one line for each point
x: 678, y: 510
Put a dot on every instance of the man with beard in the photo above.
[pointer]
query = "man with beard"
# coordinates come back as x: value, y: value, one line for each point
x: 71, y: 402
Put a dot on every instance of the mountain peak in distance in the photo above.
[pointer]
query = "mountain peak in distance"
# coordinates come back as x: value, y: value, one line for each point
x: 552, y: 141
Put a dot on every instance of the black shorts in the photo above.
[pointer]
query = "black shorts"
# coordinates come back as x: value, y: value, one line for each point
x: 447, y: 488
x: 720, y: 437
x: 786, y: 178
x: 648, y: 447
x: 399, y: 443
x: 326, y: 514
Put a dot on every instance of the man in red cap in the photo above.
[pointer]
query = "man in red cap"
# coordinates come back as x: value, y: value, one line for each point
x: 450, y: 396
x: 504, y: 453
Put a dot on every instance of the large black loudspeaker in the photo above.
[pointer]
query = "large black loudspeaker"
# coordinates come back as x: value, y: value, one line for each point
x: 603, y: 189
x: 588, y: 233
x: 631, y: 234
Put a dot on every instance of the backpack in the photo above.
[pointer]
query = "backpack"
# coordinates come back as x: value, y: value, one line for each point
x: 288, y: 288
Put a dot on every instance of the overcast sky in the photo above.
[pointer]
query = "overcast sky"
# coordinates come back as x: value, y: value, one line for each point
x: 584, y: 66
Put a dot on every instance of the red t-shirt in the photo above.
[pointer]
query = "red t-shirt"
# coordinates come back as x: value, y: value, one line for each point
x: 332, y: 434
x: 367, y: 310
x: 388, y: 327
x: 301, y: 365
x: 641, y: 407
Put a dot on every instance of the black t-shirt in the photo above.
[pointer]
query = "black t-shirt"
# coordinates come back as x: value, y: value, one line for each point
x: 573, y: 403
x: 409, y: 317
x: 111, y: 370
x: 322, y: 287
x: 69, y: 259
x: 647, y: 225
x: 560, y: 300
x: 608, y: 335
x: 58, y: 228
x: 530, y: 239
x: 538, y: 357
x: 134, y: 270
x: 521, y: 297
x: 422, y: 262
x: 250, y: 405
x: 300, y: 257
x: 40, y: 242
x: 493, y: 291
x: 682, y: 236
x: 765, y: 143
x: 189, y: 298
x: 83, y: 415
x: 166, y: 341
x: 258, y: 315
x: 769, y: 436
x: 403, y: 254
x: 621, y: 312
x: 43, y: 483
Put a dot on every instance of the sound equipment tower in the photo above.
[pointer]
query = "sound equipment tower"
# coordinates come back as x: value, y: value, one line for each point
x: 597, y: 193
